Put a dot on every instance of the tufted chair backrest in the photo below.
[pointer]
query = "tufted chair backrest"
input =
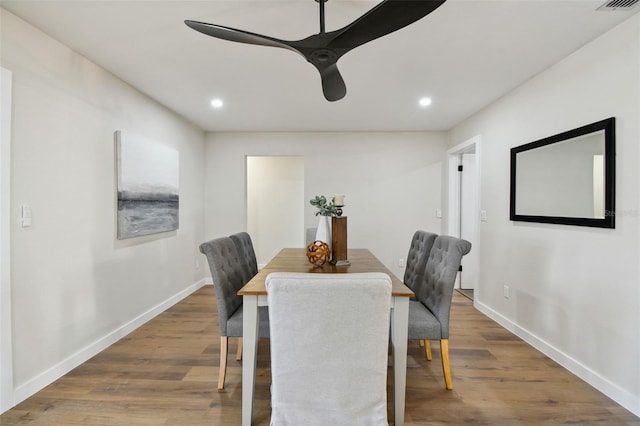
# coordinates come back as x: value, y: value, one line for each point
x: 440, y: 276
x: 243, y: 243
x: 419, y: 250
x: 226, y: 271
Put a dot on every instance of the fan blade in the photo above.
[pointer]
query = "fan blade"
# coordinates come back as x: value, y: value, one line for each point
x: 333, y: 86
x: 240, y: 36
x: 385, y: 18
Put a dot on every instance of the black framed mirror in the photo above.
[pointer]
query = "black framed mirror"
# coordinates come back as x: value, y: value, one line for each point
x: 568, y: 178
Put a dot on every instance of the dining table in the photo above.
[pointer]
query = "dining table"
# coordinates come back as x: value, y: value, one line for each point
x: 254, y: 294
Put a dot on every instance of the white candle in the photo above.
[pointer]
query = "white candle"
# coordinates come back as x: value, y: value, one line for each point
x: 338, y: 200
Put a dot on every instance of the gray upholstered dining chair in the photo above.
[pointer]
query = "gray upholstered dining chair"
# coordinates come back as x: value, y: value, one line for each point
x: 416, y: 265
x: 228, y: 277
x: 326, y: 368
x: 429, y: 314
x: 243, y: 242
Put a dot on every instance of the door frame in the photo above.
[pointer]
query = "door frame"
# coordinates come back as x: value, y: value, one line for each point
x: 472, y: 145
x: 6, y: 348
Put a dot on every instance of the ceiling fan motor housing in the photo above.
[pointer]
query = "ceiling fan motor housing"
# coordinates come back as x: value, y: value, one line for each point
x: 322, y: 56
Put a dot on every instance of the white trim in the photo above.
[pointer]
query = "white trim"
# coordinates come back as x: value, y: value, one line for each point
x: 621, y: 396
x: 469, y: 146
x: 34, y: 385
x: 6, y: 348
x: 472, y: 145
x: 453, y: 211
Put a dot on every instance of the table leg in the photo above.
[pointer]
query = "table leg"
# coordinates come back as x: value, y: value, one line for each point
x: 249, y: 355
x: 399, y: 334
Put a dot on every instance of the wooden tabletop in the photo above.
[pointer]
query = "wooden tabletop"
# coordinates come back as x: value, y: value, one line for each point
x: 295, y: 260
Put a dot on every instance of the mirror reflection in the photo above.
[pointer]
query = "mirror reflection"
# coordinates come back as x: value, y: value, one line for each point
x: 563, y: 179
x: 567, y: 178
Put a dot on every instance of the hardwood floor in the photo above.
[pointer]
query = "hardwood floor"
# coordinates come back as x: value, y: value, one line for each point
x: 468, y: 293
x: 165, y: 373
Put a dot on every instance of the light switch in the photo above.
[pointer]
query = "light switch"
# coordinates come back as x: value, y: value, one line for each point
x: 439, y: 213
x: 483, y: 215
x: 25, y: 216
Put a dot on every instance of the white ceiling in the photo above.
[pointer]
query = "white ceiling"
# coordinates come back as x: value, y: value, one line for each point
x: 464, y: 55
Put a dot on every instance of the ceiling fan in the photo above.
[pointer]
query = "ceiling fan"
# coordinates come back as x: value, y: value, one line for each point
x: 325, y: 48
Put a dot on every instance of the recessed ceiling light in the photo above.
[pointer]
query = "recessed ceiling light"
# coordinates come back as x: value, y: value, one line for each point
x: 217, y: 103
x: 424, y: 102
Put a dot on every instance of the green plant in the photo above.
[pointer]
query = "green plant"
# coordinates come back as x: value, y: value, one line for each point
x: 324, y: 208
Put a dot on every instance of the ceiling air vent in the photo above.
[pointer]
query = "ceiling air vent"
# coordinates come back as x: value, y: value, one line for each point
x: 618, y: 5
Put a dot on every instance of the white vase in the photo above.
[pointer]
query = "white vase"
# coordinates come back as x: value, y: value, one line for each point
x: 324, y: 230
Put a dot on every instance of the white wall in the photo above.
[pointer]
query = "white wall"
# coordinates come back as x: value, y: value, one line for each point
x: 76, y: 288
x: 575, y: 292
x: 391, y: 181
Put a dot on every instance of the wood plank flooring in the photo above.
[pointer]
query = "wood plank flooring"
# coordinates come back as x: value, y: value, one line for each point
x: 468, y: 293
x: 165, y: 373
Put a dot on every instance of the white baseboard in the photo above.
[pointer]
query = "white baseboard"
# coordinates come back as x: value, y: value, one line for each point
x: 44, y: 379
x: 621, y: 396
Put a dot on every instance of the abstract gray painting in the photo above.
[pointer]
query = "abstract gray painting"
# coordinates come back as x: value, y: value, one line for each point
x: 148, y: 195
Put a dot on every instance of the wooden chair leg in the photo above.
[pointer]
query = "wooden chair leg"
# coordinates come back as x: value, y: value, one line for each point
x: 446, y: 368
x: 427, y: 348
x: 239, y: 353
x: 223, y: 361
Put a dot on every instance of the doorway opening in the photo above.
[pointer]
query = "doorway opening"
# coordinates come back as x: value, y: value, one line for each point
x: 275, y: 204
x: 464, y: 211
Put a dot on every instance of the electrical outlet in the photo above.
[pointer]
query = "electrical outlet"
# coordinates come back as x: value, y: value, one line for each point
x: 400, y: 263
x: 506, y: 291
x: 25, y: 216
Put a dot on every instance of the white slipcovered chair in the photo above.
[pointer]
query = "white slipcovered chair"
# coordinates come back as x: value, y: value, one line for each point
x: 329, y: 345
